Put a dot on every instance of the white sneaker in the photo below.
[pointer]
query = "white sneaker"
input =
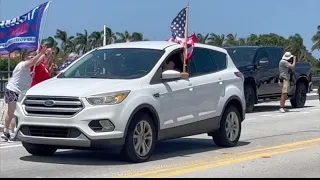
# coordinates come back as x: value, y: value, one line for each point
x: 282, y: 110
x: 12, y: 137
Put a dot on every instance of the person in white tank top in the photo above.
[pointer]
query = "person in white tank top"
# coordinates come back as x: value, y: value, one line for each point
x: 20, y: 82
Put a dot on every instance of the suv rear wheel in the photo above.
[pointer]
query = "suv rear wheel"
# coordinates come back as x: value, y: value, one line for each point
x: 229, y: 132
x: 141, y: 139
x: 300, y: 97
x: 39, y: 150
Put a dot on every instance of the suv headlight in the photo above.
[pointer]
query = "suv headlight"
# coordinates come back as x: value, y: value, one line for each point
x: 108, y: 99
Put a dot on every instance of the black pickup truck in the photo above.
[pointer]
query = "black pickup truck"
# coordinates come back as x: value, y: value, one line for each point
x: 260, y: 67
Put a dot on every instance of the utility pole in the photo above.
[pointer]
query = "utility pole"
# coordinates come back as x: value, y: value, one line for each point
x: 0, y: 10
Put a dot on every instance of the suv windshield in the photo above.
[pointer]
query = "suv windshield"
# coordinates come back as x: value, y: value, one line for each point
x: 242, y: 56
x: 118, y: 63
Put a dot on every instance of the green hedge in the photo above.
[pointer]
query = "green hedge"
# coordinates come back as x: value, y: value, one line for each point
x: 4, y: 64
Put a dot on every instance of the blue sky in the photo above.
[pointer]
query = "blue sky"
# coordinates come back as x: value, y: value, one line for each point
x: 153, y: 18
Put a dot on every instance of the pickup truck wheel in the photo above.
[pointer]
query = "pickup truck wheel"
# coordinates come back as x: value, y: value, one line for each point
x: 300, y: 97
x: 141, y: 139
x: 250, y: 98
x: 39, y: 150
x: 229, y: 132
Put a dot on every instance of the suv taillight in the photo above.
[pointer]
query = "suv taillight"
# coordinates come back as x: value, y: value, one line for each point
x: 240, y: 75
x: 310, y: 77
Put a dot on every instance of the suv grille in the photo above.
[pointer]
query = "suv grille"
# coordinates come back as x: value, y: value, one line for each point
x: 52, y: 106
x: 47, y: 131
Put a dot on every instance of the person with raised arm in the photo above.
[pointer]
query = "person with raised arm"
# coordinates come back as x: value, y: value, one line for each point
x: 19, y: 82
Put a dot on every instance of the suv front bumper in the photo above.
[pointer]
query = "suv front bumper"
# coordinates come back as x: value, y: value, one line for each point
x: 86, y: 137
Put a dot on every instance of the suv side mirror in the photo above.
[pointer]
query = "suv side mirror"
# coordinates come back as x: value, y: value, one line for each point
x: 171, y: 74
x: 263, y: 62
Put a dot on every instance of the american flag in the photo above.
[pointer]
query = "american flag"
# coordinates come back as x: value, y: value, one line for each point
x: 178, y: 24
x: 178, y: 29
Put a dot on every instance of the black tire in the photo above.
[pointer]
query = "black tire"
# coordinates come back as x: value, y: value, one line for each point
x: 220, y: 136
x: 39, y: 150
x: 300, y: 97
x: 250, y: 97
x: 128, y: 150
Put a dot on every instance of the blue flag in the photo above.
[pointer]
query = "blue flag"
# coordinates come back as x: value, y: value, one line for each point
x: 22, y: 32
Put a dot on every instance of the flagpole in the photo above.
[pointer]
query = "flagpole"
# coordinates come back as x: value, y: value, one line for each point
x: 186, y: 40
x: 42, y: 30
x: 104, y: 35
x: 44, y: 25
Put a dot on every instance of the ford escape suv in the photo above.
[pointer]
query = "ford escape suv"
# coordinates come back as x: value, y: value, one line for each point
x: 118, y: 98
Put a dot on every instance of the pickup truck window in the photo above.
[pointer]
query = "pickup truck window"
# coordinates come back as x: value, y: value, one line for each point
x: 262, y: 54
x: 118, y: 63
x: 275, y: 55
x: 201, y: 62
x: 242, y: 56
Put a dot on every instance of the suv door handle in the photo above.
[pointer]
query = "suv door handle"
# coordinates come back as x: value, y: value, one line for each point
x: 220, y: 81
x: 156, y: 95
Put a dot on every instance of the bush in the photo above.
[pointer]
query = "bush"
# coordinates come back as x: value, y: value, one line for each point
x: 4, y: 64
x: 315, y: 72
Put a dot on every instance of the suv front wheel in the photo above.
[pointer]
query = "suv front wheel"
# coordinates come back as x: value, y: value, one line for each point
x: 141, y: 139
x: 229, y: 132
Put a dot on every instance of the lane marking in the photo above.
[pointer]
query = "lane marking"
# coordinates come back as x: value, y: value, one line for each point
x: 210, y: 159
x: 311, y: 110
x: 226, y: 162
x: 12, y: 146
x: 281, y: 115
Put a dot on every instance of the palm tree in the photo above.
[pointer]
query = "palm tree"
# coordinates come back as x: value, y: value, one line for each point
x: 67, y: 44
x: 216, y: 40
x: 123, y: 37
x: 231, y: 40
x: 51, y: 43
x: 253, y: 40
x: 111, y: 37
x: 136, y: 36
x: 95, y: 39
x: 202, y: 39
x: 316, y: 40
x: 295, y: 46
x: 82, y: 42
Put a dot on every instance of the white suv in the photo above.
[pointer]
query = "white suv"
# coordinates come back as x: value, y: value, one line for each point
x: 118, y: 98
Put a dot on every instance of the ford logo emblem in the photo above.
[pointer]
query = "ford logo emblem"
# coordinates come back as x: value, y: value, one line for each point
x: 49, y: 103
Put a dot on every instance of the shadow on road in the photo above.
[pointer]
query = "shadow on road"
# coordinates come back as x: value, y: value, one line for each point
x: 266, y: 108
x: 183, y: 147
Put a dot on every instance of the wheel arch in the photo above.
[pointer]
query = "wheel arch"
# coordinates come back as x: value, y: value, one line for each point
x: 148, y: 109
x: 250, y: 81
x: 236, y: 102
x: 303, y: 79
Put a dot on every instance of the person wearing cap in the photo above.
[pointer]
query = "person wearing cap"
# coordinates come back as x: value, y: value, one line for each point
x: 284, y: 77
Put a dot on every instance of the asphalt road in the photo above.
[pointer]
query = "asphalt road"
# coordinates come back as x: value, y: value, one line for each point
x: 271, y: 145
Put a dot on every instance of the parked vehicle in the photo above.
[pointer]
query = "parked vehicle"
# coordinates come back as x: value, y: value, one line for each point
x: 260, y: 66
x: 118, y: 98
